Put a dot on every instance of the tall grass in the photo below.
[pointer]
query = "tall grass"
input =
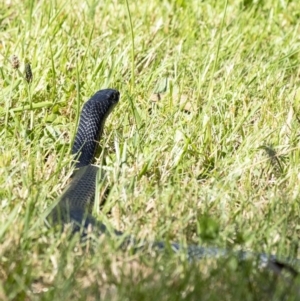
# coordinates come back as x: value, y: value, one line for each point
x: 214, y: 160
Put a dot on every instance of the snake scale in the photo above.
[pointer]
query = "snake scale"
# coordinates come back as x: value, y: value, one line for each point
x: 76, y: 203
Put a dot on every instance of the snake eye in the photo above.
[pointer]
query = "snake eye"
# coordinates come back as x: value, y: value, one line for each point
x: 116, y: 96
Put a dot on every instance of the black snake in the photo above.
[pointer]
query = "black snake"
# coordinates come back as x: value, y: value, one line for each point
x: 76, y: 202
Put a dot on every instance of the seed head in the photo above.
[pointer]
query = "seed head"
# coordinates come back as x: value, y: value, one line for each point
x: 28, y: 72
x: 15, y: 62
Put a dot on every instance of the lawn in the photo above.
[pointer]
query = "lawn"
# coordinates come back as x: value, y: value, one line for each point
x: 203, y: 147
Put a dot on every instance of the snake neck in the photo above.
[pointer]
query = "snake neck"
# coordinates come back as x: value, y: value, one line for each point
x: 91, y: 123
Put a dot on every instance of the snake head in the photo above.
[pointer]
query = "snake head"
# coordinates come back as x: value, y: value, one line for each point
x: 101, y: 104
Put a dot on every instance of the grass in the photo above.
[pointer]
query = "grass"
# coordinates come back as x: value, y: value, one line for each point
x: 215, y: 161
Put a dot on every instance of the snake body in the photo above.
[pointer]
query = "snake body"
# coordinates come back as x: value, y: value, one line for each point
x: 76, y: 202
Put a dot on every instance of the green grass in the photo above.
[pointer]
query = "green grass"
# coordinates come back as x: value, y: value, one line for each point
x: 225, y: 172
